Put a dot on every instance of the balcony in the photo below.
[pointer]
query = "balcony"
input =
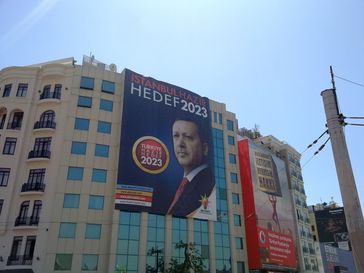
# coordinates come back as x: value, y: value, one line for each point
x: 50, y: 95
x: 20, y: 260
x: 39, y: 187
x: 39, y: 154
x: 14, y: 125
x: 47, y: 124
x: 26, y: 221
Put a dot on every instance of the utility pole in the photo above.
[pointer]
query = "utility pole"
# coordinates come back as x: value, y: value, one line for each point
x: 349, y: 193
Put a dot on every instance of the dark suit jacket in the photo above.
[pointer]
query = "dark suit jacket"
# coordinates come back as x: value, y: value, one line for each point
x: 202, y: 184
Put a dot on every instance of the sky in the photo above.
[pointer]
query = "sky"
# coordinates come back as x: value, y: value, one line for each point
x: 268, y: 61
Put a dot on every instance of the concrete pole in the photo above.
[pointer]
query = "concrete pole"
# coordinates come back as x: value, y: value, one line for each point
x: 349, y: 193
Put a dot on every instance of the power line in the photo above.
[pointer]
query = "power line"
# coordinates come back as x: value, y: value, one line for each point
x: 341, y: 78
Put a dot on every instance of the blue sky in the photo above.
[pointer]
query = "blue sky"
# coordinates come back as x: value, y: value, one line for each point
x: 268, y: 61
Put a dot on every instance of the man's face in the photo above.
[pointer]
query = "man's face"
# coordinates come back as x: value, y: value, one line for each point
x: 188, y: 146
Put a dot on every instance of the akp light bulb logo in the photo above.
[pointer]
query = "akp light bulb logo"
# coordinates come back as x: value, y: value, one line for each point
x: 150, y: 154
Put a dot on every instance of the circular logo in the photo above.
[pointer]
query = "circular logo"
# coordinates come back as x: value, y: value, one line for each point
x: 150, y: 154
x: 262, y: 236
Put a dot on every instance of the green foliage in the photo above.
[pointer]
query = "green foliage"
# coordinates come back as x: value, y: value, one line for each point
x: 192, y: 260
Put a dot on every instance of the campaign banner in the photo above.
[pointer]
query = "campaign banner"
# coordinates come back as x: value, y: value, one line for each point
x: 166, y: 151
x: 267, y: 202
x: 276, y: 248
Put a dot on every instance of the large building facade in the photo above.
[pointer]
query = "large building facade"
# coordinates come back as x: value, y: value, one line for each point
x: 60, y: 128
x: 305, y: 243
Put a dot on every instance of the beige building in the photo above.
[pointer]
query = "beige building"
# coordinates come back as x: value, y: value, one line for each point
x: 60, y: 140
x: 305, y: 243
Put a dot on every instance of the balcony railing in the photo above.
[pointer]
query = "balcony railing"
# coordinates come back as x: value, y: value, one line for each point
x: 27, y: 221
x: 45, y: 124
x: 39, y: 154
x: 50, y: 95
x: 15, y: 125
x: 33, y: 187
x: 20, y: 260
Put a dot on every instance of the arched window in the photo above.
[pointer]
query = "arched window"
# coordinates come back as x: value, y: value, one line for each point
x: 36, y: 212
x: 47, y: 116
x: 2, y: 117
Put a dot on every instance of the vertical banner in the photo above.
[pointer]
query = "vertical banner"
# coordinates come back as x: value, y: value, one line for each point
x: 271, y: 234
x: 166, y: 157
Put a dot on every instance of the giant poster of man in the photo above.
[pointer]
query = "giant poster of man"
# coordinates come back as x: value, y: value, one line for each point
x: 166, y: 157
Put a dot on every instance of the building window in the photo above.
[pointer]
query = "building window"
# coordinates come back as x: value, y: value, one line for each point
x: 89, y: 262
x: 4, y: 176
x: 1, y: 205
x: 71, y: 200
x: 108, y: 87
x: 87, y: 83
x: 127, y: 249
x: 84, y: 101
x: 234, y: 177
x: 29, y: 247
x: 22, y: 90
x: 235, y: 198
x: 241, y: 267
x: 230, y: 125
x: 37, y: 207
x: 104, y: 127
x: 96, y: 202
x: 16, y: 121
x: 239, y: 243
x: 102, y: 150
x: 155, y: 243
x: 67, y: 230
x: 106, y: 105
x: 46, y: 120
x: 99, y: 175
x: 75, y: 173
x: 16, y: 247
x: 35, y: 180
x: 9, y: 146
x: 78, y: 148
x: 215, y: 117
x: 7, y: 89
x: 3, y: 118
x: 231, y: 140
x: 42, y: 146
x: 82, y: 124
x: 232, y: 159
x: 93, y: 231
x: 220, y: 118
x: 237, y: 220
x: 63, y: 262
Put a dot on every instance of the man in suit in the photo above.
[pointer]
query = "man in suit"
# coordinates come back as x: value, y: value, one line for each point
x: 191, y: 150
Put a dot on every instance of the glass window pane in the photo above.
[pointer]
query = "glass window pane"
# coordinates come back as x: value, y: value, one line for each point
x: 108, y: 87
x: 96, y: 202
x: 93, y: 231
x: 99, y: 175
x: 78, y: 148
x: 104, y: 127
x: 89, y: 262
x: 84, y: 101
x: 106, y: 105
x: 233, y: 177
x: 82, y: 124
x: 102, y: 150
x: 63, y: 262
x: 75, y: 173
x: 87, y: 83
x: 67, y: 230
x: 71, y: 200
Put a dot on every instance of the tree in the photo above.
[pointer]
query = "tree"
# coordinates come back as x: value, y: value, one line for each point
x: 159, y: 261
x: 192, y: 260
